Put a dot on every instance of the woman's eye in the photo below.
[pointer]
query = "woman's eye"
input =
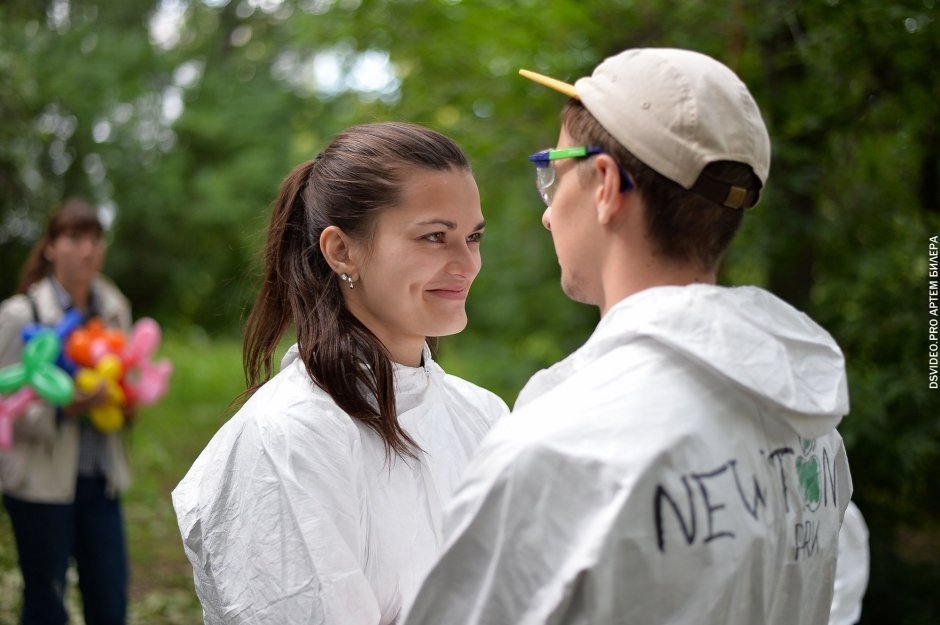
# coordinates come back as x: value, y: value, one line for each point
x: 475, y: 237
x: 435, y: 237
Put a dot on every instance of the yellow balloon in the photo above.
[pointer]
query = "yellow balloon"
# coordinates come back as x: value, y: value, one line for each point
x: 110, y: 367
x: 108, y: 417
x: 87, y: 380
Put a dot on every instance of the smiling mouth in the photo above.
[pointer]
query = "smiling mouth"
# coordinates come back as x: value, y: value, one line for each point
x: 454, y: 294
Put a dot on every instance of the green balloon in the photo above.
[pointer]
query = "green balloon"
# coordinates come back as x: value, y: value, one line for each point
x: 12, y: 378
x: 53, y: 384
x: 44, y: 347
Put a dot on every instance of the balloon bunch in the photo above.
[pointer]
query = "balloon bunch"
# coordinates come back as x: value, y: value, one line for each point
x: 123, y: 367
x: 98, y: 357
x: 92, y: 348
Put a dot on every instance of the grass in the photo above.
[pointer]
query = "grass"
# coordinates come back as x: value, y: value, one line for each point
x: 162, y: 445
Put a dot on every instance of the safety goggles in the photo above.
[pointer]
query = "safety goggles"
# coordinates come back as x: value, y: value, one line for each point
x: 545, y: 179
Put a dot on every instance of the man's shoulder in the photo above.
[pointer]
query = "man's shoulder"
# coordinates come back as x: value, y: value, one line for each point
x: 605, y: 430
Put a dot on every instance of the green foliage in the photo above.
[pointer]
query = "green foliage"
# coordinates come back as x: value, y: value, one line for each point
x: 849, y: 91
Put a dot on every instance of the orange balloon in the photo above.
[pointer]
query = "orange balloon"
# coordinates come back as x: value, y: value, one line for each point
x: 113, y: 341
x: 78, y: 348
x: 88, y: 344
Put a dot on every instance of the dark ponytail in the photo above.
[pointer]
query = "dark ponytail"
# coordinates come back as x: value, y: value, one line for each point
x: 272, y: 313
x: 356, y: 176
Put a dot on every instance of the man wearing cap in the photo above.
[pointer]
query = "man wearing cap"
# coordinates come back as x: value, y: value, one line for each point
x: 682, y: 466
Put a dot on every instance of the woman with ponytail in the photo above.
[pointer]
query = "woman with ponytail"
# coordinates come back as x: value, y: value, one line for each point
x: 320, y: 500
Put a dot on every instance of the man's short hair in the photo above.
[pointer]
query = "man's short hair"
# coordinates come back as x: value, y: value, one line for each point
x: 682, y: 225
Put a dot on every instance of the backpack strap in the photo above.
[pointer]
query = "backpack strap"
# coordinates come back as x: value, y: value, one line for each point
x: 33, y: 307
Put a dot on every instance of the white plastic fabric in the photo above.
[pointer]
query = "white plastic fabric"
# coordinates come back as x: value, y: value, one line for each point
x: 681, y: 467
x: 292, y: 514
x: 852, y: 570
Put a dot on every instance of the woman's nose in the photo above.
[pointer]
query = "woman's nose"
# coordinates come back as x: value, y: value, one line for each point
x: 546, y: 218
x: 465, y: 260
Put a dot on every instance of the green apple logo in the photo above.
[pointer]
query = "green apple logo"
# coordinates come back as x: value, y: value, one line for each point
x: 807, y: 468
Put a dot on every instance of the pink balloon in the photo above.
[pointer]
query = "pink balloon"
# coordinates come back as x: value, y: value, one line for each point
x: 146, y: 381
x: 145, y: 338
x: 10, y: 408
x: 153, y: 383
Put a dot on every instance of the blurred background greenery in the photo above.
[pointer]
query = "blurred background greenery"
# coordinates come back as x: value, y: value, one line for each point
x: 180, y: 117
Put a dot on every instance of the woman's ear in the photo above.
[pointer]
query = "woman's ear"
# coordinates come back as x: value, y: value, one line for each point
x: 337, y: 249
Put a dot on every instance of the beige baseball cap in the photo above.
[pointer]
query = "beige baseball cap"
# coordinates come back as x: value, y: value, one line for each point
x: 676, y: 111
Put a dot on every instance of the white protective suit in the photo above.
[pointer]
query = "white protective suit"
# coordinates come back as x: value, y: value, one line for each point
x: 681, y: 467
x: 292, y: 514
x: 853, y: 569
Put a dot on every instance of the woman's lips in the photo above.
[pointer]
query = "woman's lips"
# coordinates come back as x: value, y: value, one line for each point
x: 455, y: 293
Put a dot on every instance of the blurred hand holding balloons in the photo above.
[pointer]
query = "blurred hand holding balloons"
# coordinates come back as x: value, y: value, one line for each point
x: 107, y: 415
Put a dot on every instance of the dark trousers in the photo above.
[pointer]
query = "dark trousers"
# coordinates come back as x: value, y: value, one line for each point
x: 92, y: 531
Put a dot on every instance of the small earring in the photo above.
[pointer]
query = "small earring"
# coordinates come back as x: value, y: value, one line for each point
x: 345, y: 277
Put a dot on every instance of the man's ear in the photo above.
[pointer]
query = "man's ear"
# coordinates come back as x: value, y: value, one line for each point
x: 610, y: 201
x: 337, y: 249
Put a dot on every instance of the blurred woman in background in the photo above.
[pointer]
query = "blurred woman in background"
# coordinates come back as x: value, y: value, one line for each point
x: 62, y: 478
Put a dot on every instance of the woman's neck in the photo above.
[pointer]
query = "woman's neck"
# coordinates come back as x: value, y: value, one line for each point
x: 80, y: 294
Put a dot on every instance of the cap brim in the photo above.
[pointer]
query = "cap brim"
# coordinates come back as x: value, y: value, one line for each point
x: 551, y: 83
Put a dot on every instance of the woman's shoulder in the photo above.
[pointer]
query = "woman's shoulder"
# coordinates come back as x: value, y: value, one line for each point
x: 112, y: 298
x: 290, y: 404
x: 39, y: 296
x: 286, y: 423
x: 16, y: 309
x: 39, y: 301
x: 15, y: 314
x: 469, y: 389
